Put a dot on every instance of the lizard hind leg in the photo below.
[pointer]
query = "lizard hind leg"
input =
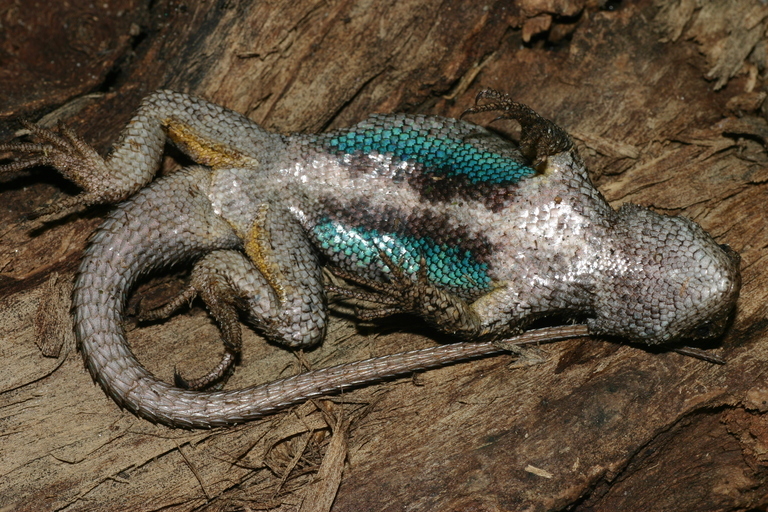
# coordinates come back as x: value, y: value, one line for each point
x: 75, y: 159
x: 209, y: 134
x: 216, y: 280
x: 227, y: 281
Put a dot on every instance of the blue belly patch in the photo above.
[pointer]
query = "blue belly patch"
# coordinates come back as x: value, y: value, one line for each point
x: 356, y: 248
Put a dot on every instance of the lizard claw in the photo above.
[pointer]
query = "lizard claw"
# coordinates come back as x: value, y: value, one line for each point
x: 404, y: 294
x: 71, y: 156
x: 225, y: 313
x: 213, y: 380
x: 395, y: 294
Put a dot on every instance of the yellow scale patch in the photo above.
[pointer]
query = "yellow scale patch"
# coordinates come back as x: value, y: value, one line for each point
x: 205, y: 151
x: 259, y: 250
x: 216, y: 155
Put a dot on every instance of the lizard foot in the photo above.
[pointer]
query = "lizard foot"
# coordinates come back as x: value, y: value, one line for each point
x: 75, y: 159
x: 213, y: 292
x: 539, y: 137
x: 403, y: 294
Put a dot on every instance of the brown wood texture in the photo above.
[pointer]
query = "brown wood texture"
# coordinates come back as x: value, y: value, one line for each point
x: 666, y: 103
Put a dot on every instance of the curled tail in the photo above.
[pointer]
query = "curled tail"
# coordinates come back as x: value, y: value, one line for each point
x: 165, y: 223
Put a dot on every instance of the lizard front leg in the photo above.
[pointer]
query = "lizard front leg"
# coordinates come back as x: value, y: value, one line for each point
x: 402, y: 294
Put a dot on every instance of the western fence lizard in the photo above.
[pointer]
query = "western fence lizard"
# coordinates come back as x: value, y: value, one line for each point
x: 436, y: 217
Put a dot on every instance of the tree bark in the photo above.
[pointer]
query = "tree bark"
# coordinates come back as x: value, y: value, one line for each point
x: 666, y: 103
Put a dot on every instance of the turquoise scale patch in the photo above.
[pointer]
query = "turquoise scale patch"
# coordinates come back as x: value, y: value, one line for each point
x: 446, y: 156
x: 449, y: 267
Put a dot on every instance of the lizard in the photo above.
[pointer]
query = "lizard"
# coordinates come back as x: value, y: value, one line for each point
x: 427, y: 215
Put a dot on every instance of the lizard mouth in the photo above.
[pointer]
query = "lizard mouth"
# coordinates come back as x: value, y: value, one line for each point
x: 719, y: 321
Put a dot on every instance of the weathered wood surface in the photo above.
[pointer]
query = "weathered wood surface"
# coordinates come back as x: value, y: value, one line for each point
x: 666, y: 102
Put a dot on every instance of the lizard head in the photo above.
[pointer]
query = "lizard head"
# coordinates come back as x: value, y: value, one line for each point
x: 671, y: 281
x: 665, y: 279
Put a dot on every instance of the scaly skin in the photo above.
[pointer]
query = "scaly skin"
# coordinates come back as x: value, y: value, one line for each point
x: 438, y: 217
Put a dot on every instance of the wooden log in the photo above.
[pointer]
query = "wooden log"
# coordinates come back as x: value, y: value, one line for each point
x: 665, y: 103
